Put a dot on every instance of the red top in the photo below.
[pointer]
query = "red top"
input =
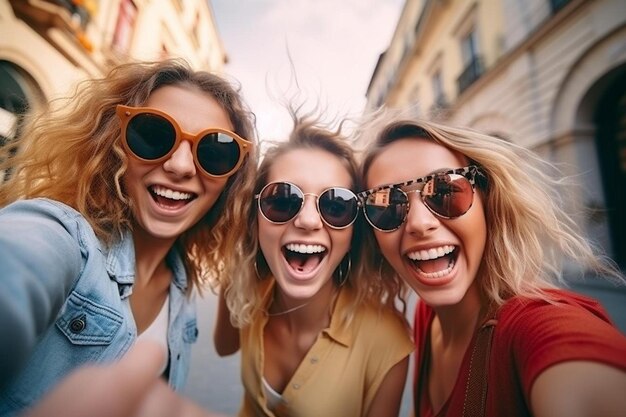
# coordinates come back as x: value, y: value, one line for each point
x: 530, y: 336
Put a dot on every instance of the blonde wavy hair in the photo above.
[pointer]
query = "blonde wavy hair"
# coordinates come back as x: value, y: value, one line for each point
x: 247, y: 272
x: 529, y: 234
x: 71, y: 152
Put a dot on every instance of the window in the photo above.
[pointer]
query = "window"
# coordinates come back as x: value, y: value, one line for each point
x: 125, y: 26
x: 472, y: 61
x: 469, y: 47
x: 557, y: 5
x: 438, y: 95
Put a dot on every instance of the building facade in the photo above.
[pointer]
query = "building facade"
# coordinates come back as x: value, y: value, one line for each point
x: 546, y: 74
x: 47, y: 46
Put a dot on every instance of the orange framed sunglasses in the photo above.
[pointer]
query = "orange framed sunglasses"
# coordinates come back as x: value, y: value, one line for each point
x: 151, y: 135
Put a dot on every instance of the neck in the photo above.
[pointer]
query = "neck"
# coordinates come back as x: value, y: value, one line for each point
x: 457, y: 323
x: 150, y: 255
x: 304, y: 313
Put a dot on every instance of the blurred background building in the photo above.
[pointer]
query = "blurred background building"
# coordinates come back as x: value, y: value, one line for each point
x: 46, y: 46
x: 546, y: 74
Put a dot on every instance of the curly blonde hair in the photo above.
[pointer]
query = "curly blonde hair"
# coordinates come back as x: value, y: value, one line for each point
x: 529, y: 235
x: 71, y: 152
x: 241, y: 291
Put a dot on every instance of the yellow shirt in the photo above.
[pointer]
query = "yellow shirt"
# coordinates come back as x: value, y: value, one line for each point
x: 340, y: 374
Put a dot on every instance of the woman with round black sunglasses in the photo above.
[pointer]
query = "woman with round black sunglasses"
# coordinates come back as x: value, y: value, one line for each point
x: 117, y: 209
x: 471, y: 223
x: 279, y: 202
x: 317, y: 337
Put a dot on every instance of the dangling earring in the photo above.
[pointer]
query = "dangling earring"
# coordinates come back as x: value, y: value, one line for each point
x: 343, y: 277
x: 259, y: 259
x: 256, y: 269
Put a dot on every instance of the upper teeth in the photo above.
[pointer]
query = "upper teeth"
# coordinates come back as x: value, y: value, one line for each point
x: 432, y: 253
x: 301, y: 248
x: 167, y: 193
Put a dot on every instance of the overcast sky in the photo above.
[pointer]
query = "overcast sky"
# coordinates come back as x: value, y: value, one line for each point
x: 334, y: 45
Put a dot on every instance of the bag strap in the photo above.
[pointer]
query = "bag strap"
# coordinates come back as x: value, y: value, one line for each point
x: 476, y: 388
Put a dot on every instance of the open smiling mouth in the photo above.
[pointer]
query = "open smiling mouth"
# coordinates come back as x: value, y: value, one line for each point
x: 304, y: 258
x: 435, y: 262
x: 170, y: 199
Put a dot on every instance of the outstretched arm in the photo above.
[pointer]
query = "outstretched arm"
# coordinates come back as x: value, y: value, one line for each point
x: 40, y: 259
x: 579, y: 388
x: 225, y: 335
x: 128, y: 388
x: 389, y: 396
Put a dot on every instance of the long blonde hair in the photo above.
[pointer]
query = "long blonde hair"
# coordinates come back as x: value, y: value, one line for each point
x: 71, y: 152
x: 242, y: 295
x: 529, y: 234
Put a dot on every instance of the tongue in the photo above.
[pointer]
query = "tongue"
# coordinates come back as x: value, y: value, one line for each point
x: 302, y: 262
x: 434, y: 265
x: 168, y: 202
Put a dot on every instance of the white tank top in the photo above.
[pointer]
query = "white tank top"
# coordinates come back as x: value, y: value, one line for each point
x: 273, y: 397
x: 157, y: 331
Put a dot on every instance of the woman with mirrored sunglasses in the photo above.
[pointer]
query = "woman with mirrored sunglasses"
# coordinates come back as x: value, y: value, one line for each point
x: 117, y: 209
x: 317, y: 337
x: 473, y: 225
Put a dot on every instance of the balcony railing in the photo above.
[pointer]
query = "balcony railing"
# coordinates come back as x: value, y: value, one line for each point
x: 471, y: 73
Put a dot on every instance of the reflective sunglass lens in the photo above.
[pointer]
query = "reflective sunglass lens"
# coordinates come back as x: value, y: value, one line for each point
x: 386, y: 208
x: 150, y: 136
x: 338, y: 206
x: 280, y: 202
x: 218, y: 153
x: 448, y: 195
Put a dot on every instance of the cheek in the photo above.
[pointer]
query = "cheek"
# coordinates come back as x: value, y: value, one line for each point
x: 388, y: 243
x: 342, y: 239
x: 475, y: 231
x: 268, y: 236
x: 130, y: 182
x: 214, y: 185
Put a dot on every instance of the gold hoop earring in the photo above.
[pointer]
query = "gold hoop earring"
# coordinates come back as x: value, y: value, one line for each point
x: 343, y: 277
x: 256, y: 269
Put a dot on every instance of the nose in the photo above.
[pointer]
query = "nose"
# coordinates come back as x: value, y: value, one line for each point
x: 309, y: 218
x: 420, y: 221
x: 181, y: 163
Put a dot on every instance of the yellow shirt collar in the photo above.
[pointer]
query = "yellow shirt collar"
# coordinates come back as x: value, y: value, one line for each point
x: 336, y: 330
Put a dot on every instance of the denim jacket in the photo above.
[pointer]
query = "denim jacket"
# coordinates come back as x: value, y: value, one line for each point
x: 64, y: 301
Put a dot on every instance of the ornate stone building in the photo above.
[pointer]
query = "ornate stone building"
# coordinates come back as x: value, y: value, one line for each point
x: 547, y: 74
x: 46, y: 46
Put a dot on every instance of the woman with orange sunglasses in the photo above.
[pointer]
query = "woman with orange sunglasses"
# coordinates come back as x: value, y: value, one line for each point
x: 472, y: 224
x: 117, y: 208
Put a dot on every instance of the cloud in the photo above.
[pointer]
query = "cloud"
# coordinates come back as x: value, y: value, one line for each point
x: 334, y: 46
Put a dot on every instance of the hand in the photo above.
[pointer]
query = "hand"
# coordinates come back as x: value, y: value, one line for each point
x: 128, y: 388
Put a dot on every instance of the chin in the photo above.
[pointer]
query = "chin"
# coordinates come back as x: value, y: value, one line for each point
x: 439, y: 297
x: 300, y: 290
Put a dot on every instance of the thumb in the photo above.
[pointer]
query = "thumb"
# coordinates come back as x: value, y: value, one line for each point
x: 136, y: 373
x: 143, y: 361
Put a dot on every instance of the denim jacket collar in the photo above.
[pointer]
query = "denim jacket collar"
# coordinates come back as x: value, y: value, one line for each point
x: 120, y: 262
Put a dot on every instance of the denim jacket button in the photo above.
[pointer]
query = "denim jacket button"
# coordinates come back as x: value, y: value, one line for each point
x: 78, y: 324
